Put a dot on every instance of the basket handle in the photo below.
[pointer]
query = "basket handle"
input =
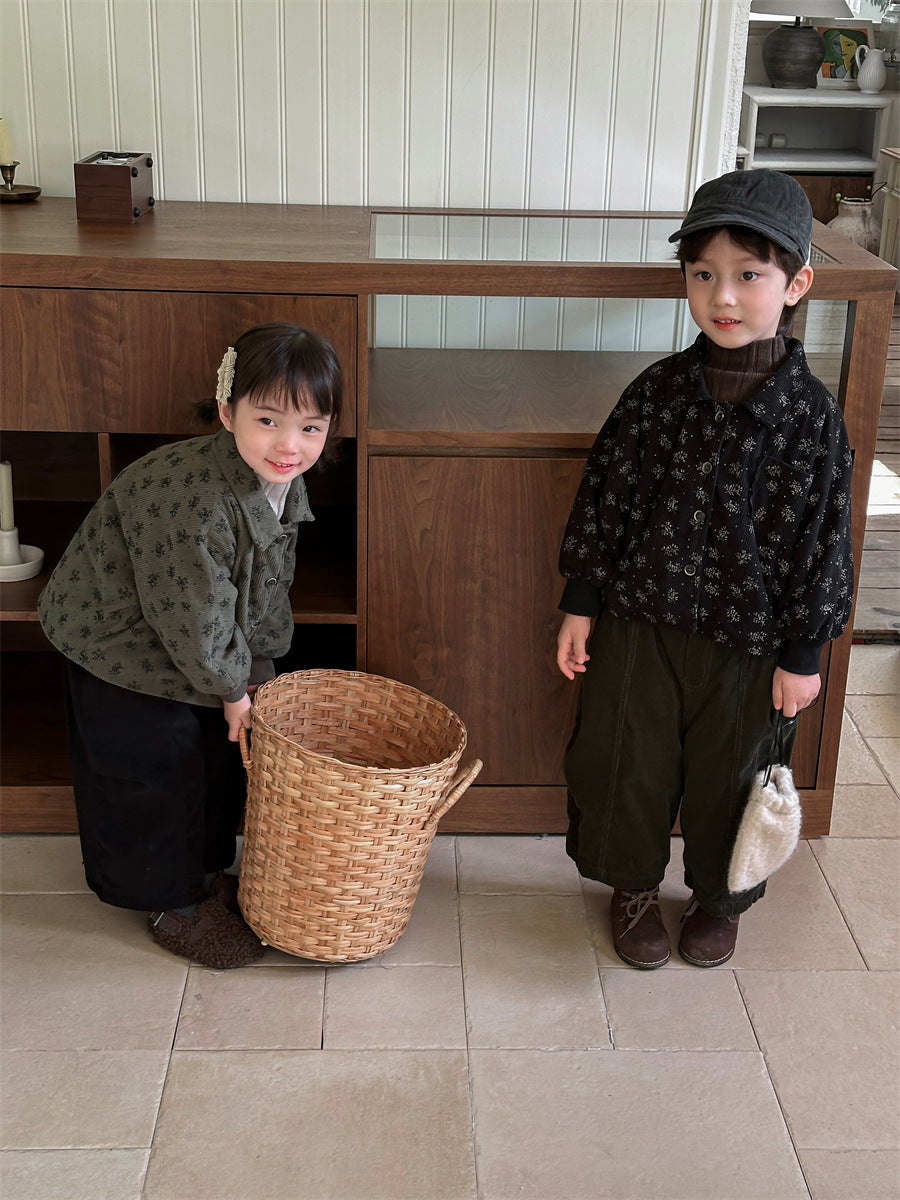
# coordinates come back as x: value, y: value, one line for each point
x: 244, y: 739
x: 463, y: 778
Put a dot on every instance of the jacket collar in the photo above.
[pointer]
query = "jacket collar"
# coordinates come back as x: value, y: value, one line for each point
x: 772, y: 403
x: 264, y: 526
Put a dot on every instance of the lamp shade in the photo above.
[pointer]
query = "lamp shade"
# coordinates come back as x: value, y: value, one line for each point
x: 802, y: 8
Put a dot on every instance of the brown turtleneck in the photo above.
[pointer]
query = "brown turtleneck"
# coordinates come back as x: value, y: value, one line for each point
x: 733, y: 375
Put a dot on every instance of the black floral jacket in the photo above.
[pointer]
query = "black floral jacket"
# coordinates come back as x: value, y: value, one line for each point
x: 179, y: 576
x: 729, y: 520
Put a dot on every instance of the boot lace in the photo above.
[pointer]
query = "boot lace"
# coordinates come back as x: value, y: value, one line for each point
x: 638, y: 903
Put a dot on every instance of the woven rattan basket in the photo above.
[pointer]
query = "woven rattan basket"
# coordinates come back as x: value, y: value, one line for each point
x: 348, y: 776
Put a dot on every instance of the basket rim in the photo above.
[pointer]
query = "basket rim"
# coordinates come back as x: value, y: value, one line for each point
x: 425, y: 769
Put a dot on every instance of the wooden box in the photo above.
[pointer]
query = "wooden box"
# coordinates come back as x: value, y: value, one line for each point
x: 113, y: 185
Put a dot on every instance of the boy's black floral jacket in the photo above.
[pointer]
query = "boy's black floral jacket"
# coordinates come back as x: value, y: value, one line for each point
x: 179, y: 576
x: 729, y: 520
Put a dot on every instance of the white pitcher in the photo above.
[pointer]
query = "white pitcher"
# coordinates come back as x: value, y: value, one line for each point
x: 871, y: 69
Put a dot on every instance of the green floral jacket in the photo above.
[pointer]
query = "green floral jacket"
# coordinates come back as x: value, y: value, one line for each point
x: 179, y: 576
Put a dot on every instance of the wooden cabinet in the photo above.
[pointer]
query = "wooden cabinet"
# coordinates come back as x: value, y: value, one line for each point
x: 463, y: 589
x: 433, y: 556
x: 134, y: 361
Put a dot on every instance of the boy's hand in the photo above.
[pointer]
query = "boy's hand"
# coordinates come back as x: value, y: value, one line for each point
x: 571, y: 653
x: 237, y: 713
x: 791, y: 693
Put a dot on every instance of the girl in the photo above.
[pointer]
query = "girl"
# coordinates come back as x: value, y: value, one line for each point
x: 169, y: 605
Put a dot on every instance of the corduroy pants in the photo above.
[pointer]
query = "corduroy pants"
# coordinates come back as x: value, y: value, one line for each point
x: 666, y: 720
x: 159, y: 791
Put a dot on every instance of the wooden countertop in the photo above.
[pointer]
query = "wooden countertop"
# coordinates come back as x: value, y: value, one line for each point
x: 187, y: 246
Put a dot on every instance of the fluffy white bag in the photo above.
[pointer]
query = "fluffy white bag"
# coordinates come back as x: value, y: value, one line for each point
x: 769, y: 830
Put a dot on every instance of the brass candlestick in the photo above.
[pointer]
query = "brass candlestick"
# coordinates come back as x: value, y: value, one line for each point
x: 15, y: 191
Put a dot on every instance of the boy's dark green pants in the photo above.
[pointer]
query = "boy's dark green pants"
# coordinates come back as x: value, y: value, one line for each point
x: 666, y: 719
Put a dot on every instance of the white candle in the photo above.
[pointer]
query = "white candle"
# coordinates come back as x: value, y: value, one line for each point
x: 7, y: 520
x: 5, y: 150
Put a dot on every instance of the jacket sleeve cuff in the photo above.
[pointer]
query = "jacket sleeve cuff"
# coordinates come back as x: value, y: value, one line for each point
x: 800, y: 657
x: 580, y: 598
x: 235, y: 694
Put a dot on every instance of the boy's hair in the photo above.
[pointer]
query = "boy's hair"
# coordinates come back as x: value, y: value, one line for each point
x: 297, y: 366
x: 692, y: 245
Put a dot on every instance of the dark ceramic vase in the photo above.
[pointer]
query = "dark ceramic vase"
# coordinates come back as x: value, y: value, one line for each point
x: 792, y: 55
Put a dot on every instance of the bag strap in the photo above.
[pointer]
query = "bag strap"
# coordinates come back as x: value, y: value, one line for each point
x: 776, y: 750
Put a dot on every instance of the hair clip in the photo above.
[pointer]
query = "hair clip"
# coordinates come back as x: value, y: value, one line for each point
x: 225, y: 375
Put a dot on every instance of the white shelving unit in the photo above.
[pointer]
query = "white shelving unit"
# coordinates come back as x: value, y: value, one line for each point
x: 832, y: 131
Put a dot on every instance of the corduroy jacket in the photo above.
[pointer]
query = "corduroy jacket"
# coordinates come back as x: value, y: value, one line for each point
x: 178, y: 578
x: 729, y: 520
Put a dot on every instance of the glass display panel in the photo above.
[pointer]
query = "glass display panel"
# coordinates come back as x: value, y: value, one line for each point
x: 474, y: 236
x: 495, y: 238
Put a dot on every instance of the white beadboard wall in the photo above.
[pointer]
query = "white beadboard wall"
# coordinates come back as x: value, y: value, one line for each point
x: 541, y: 104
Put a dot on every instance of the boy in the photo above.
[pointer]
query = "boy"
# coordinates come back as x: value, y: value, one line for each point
x: 710, y: 540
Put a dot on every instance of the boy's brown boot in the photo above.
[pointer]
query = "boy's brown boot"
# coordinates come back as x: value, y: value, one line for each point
x: 639, y: 936
x: 706, y: 941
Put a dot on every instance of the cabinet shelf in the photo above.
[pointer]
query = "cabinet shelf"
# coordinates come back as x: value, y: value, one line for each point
x: 803, y: 158
x: 556, y: 399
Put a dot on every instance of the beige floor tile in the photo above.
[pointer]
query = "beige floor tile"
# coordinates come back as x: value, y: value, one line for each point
x: 530, y: 973
x: 676, y: 1010
x: 80, y: 1099
x: 887, y: 755
x: 864, y: 874
x: 831, y: 1041
x: 264, y: 1009
x: 491, y: 865
x: 796, y: 925
x: 80, y: 975
x: 875, y: 716
x: 874, y: 670
x: 842, y: 1174
x: 856, y: 763
x: 72, y: 1174
x: 865, y: 810
x: 635, y: 1124
x: 383, y: 1125
x: 413, y: 1008
x: 41, y: 864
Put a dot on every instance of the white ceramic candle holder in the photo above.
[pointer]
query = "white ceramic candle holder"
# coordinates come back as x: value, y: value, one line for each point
x: 17, y: 561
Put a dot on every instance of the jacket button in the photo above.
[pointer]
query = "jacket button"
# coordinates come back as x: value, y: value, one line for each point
x: 690, y: 569
x: 271, y: 582
x: 720, y: 415
x: 698, y: 517
x: 706, y: 468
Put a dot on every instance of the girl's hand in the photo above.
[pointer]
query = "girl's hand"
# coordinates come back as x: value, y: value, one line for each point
x: 237, y: 713
x: 791, y: 693
x: 571, y: 652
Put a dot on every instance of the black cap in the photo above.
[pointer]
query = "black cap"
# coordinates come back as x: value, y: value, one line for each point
x: 768, y: 202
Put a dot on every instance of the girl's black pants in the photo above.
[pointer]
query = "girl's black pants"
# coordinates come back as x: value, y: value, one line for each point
x: 666, y: 721
x: 159, y: 791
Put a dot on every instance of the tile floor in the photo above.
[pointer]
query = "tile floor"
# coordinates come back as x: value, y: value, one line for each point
x: 499, y: 1050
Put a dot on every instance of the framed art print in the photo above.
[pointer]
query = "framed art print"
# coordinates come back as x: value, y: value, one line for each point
x: 842, y: 39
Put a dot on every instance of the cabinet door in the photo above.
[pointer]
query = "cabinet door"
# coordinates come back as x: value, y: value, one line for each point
x: 463, y: 587
x: 134, y: 362
x: 823, y: 191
